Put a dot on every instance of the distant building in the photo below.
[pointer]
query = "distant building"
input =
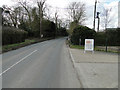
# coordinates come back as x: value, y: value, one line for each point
x: 119, y: 14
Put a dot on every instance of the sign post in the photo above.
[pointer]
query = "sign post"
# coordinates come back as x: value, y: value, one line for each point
x: 89, y: 45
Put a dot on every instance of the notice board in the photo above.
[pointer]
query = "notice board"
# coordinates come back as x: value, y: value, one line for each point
x: 89, y: 44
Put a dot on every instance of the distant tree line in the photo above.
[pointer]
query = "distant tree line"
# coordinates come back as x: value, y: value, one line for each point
x: 33, y: 20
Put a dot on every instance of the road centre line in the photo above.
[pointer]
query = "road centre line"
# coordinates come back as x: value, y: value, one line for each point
x: 18, y: 62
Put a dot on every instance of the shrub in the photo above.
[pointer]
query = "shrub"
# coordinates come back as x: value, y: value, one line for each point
x: 112, y: 36
x: 48, y: 28
x: 12, y: 35
x: 118, y: 36
x: 100, y: 39
x: 82, y: 32
x: 62, y: 32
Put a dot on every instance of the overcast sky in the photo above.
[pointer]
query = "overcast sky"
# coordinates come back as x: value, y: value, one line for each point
x: 62, y: 4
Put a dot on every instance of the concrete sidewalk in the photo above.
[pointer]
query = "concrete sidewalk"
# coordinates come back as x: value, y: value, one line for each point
x: 96, y: 70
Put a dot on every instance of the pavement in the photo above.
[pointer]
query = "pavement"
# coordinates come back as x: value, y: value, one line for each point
x: 96, y: 70
x: 42, y: 65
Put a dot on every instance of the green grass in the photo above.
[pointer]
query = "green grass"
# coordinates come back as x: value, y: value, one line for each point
x: 6, y: 48
x: 77, y: 46
x: 113, y: 51
x: 96, y: 48
x: 13, y: 46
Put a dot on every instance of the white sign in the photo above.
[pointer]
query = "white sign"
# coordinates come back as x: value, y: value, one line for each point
x: 89, y: 44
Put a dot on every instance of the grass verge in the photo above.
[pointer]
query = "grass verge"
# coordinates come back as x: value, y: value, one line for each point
x: 96, y: 48
x: 6, y: 48
x: 76, y: 46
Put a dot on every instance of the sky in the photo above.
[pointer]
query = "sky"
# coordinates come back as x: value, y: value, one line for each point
x: 60, y: 5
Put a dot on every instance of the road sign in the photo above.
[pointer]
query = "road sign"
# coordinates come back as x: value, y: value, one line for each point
x: 89, y: 44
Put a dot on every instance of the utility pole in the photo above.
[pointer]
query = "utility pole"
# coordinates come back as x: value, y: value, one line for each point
x: 40, y: 22
x: 119, y: 14
x: 1, y: 18
x: 1, y: 10
x: 98, y: 13
x: 98, y: 24
x: 94, y: 15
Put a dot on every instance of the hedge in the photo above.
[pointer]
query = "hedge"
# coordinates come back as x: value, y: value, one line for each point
x: 82, y: 32
x: 62, y: 32
x: 12, y: 35
x: 100, y: 39
x: 111, y: 37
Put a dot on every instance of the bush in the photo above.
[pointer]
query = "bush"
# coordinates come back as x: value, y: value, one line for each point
x: 82, y: 32
x: 100, y: 39
x: 12, y: 35
x: 118, y: 36
x: 112, y: 36
x: 62, y: 32
x: 48, y: 28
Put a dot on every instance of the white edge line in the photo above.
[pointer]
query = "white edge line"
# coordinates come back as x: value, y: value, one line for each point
x: 17, y: 62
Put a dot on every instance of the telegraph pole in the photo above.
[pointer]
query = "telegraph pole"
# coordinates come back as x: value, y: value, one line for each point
x: 119, y: 14
x: 98, y: 24
x: 98, y: 13
x: 1, y: 10
x: 1, y: 18
x: 94, y: 15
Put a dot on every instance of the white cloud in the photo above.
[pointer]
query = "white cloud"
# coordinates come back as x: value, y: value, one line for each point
x: 57, y: 3
x: 6, y: 2
x: 100, y: 5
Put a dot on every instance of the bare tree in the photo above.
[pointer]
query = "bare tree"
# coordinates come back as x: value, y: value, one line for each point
x: 106, y: 17
x: 27, y: 9
x: 56, y: 18
x: 12, y: 15
x: 76, y: 11
x: 7, y: 17
x: 48, y: 12
x: 41, y: 6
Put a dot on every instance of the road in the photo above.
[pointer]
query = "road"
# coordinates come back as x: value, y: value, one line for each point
x: 42, y: 65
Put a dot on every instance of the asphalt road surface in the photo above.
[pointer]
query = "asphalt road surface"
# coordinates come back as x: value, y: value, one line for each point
x: 42, y: 65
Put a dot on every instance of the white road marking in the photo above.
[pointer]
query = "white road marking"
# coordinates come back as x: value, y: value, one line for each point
x: 17, y: 62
